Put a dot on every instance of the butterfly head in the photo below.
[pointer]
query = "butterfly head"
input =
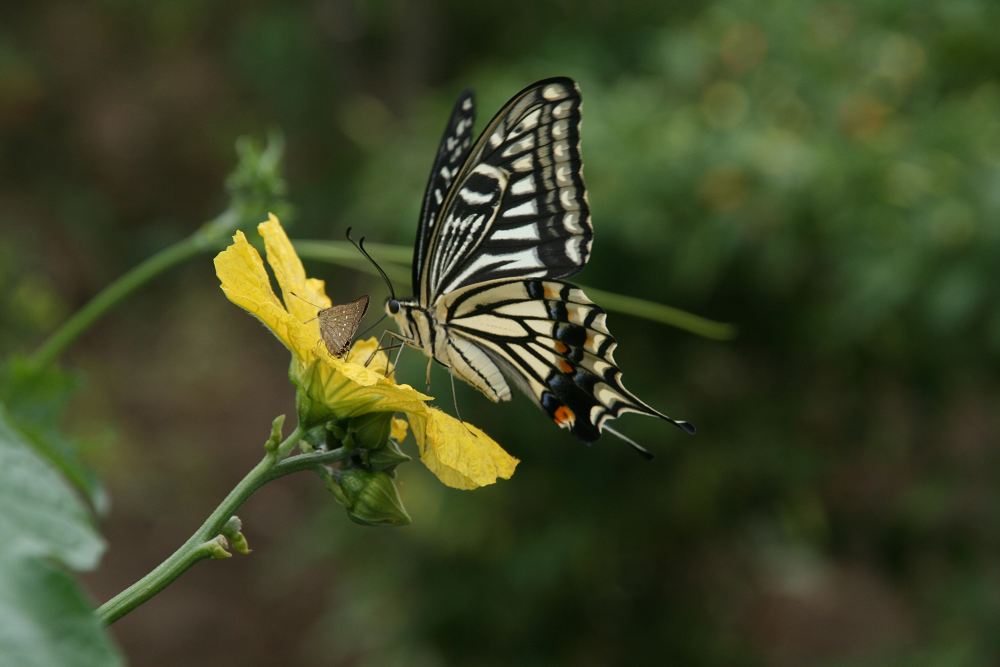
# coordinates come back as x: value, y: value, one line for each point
x: 415, y: 324
x: 400, y: 313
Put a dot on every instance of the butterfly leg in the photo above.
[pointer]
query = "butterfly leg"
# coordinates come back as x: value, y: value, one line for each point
x: 395, y: 362
x: 403, y: 342
x: 377, y: 347
x: 380, y: 348
x: 454, y: 399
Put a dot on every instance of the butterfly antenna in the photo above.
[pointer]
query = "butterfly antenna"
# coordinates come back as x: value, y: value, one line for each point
x: 318, y: 308
x: 371, y: 326
x: 306, y: 300
x: 360, y: 245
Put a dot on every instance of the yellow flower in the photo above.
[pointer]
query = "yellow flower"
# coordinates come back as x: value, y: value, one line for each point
x: 461, y: 456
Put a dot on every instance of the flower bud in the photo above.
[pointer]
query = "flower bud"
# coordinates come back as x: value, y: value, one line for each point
x: 370, y: 497
x: 217, y: 548
x: 276, y: 434
x: 233, y: 532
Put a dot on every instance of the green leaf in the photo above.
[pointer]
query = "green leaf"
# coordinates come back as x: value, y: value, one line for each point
x: 35, y: 398
x: 39, y: 514
x: 46, y: 620
x: 44, y: 617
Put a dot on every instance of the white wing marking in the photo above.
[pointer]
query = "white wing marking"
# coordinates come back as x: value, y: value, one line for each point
x: 522, y: 233
x: 528, y: 208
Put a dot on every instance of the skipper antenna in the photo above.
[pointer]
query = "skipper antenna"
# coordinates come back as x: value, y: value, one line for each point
x: 318, y: 308
x: 370, y: 326
x: 360, y: 245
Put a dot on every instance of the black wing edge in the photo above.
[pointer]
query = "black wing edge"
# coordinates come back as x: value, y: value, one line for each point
x: 429, y: 208
x: 564, y: 80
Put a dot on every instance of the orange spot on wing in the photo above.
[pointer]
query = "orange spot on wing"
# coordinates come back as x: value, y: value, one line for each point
x: 561, y: 347
x: 551, y: 291
x: 564, y: 416
x: 565, y: 366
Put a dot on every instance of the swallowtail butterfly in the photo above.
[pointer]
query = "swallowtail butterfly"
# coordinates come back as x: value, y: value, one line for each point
x: 503, y: 220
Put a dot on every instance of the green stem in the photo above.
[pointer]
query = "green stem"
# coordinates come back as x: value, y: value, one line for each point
x: 204, y: 543
x: 114, y: 293
x: 255, y: 185
x: 343, y: 254
x: 664, y: 314
x: 383, y: 252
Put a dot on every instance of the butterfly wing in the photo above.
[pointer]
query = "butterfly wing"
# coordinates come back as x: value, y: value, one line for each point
x: 548, y: 338
x: 338, y: 324
x: 451, y: 154
x: 518, y: 207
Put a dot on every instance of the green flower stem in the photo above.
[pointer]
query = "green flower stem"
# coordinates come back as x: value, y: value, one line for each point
x: 343, y: 250
x: 255, y: 186
x: 306, y: 462
x: 662, y: 313
x: 342, y: 253
x: 206, y: 238
x: 206, y: 542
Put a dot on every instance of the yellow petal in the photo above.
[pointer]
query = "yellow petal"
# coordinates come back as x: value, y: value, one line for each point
x: 399, y: 429
x: 245, y: 282
x: 336, y: 393
x: 460, y: 454
x: 303, y: 296
x: 366, y: 349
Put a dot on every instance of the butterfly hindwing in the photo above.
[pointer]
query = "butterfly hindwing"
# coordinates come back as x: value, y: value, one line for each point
x: 338, y: 324
x: 553, y: 342
x: 518, y: 207
x: 451, y: 155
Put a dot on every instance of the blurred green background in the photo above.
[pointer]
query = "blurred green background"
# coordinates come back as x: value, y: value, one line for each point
x: 825, y: 175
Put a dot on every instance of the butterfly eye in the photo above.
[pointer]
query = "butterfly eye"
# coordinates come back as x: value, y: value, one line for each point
x: 392, y: 306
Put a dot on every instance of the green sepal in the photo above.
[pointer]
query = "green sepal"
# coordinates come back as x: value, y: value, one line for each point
x: 336, y: 430
x: 311, y: 413
x: 315, y: 438
x: 370, y: 497
x: 370, y: 431
x: 387, y: 457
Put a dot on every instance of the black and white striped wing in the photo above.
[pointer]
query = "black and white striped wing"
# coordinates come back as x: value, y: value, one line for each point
x: 518, y: 207
x: 451, y: 155
x: 551, y: 340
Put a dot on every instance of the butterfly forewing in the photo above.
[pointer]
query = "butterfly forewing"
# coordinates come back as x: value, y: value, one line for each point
x: 518, y: 207
x: 451, y: 155
x: 338, y: 324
